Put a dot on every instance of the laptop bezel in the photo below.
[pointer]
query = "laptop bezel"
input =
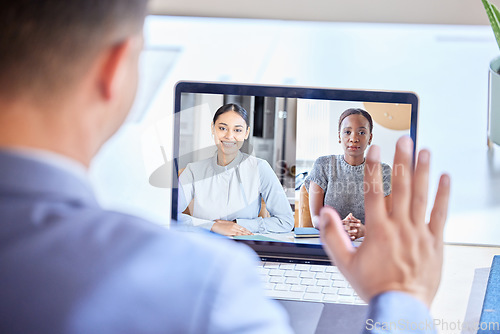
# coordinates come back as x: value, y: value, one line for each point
x: 284, y: 251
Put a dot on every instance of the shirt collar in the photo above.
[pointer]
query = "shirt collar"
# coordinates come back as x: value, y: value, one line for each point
x: 236, y: 161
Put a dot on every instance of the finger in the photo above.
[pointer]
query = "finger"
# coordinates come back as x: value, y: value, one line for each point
x: 354, y: 219
x: 243, y: 231
x: 420, y: 188
x: 374, y: 195
x: 401, y: 177
x: 439, y: 212
x: 335, y: 240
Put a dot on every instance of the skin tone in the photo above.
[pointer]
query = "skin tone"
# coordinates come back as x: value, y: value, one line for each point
x: 230, y: 131
x: 411, y: 262
x: 354, y: 137
x: 92, y: 107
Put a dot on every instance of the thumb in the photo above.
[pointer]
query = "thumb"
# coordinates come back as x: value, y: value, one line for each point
x: 335, y: 240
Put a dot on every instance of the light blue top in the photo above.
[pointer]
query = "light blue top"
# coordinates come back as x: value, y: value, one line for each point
x: 68, y: 266
x: 234, y: 192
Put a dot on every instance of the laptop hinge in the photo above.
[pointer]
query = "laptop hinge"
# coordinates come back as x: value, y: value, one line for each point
x: 294, y: 259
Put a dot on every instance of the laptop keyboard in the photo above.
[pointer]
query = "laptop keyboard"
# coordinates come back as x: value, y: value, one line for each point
x: 316, y: 283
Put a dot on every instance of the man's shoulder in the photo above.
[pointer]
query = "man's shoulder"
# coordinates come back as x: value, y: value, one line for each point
x: 170, y: 240
x: 207, y: 244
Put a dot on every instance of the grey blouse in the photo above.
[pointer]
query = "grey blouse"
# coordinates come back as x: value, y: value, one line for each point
x: 343, y: 184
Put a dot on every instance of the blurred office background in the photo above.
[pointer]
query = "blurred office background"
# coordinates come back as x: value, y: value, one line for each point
x: 438, y: 49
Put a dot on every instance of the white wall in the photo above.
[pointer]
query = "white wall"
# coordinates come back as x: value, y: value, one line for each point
x: 393, y: 11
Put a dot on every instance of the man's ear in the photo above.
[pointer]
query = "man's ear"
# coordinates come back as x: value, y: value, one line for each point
x: 113, y: 67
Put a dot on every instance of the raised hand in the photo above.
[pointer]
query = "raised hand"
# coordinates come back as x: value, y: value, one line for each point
x: 400, y: 251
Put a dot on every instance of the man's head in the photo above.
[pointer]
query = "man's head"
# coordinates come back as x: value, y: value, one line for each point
x: 68, y: 72
x: 46, y: 44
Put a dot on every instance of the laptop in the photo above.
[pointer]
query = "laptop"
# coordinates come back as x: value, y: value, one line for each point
x: 290, y: 127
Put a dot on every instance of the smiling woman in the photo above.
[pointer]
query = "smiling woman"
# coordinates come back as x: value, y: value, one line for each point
x: 230, y: 129
x: 227, y: 190
x: 337, y: 180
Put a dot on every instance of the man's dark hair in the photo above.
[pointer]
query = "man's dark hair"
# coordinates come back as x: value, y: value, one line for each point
x: 43, y: 43
x: 356, y: 111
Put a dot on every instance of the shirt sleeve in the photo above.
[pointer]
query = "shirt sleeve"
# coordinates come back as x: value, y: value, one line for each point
x: 277, y: 204
x: 186, y: 195
x: 239, y: 304
x: 319, y: 174
x: 398, y: 312
x: 386, y: 179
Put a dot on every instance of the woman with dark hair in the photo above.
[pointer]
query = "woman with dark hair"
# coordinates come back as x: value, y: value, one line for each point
x: 227, y: 190
x: 337, y: 180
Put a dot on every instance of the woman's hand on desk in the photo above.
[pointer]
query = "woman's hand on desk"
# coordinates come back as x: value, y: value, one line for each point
x: 229, y: 228
x: 353, y: 227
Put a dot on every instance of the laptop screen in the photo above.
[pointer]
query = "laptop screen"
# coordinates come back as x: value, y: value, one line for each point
x: 252, y: 169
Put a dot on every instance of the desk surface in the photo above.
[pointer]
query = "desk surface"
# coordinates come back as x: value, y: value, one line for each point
x: 447, y: 66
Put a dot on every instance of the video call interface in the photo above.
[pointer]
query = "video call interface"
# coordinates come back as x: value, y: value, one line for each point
x: 250, y: 178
